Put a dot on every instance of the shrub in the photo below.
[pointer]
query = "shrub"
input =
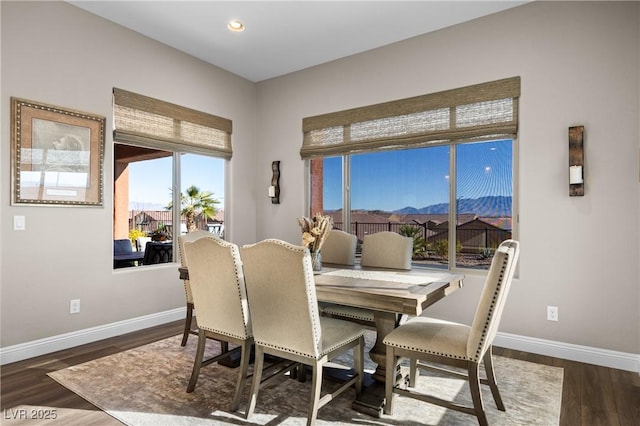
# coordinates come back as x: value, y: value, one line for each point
x: 419, y: 243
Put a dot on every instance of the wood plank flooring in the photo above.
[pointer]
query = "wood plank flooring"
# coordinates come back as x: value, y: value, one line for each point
x: 591, y: 395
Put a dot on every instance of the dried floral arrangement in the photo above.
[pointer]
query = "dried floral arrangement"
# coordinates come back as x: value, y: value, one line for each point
x: 315, y: 230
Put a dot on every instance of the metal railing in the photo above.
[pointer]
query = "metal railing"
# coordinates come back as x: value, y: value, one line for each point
x: 471, y: 238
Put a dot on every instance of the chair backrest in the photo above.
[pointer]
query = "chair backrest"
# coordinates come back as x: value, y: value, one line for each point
x: 387, y: 250
x: 122, y: 246
x: 492, y: 300
x: 157, y: 252
x: 282, y: 297
x: 339, y: 248
x: 218, y: 287
x: 188, y: 238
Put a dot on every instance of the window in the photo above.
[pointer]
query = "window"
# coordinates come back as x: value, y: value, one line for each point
x: 159, y: 147
x: 438, y: 168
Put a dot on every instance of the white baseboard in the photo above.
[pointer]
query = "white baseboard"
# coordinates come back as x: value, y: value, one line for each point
x: 602, y: 357
x: 68, y: 340
x: 586, y: 354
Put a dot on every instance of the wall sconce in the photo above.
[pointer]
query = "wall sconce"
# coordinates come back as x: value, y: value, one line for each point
x: 576, y: 161
x: 274, y: 189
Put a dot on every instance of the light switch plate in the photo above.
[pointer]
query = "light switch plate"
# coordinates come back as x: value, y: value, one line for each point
x: 19, y: 223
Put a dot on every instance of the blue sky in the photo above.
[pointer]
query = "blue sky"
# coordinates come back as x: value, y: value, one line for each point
x: 387, y: 180
x: 150, y: 181
x: 417, y: 178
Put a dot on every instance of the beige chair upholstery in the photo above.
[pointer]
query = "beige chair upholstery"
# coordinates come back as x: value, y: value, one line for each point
x: 387, y: 250
x: 339, y: 248
x: 190, y: 237
x: 286, y: 323
x: 456, y: 345
x: 218, y: 288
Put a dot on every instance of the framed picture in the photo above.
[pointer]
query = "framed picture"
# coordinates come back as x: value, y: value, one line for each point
x: 57, y: 155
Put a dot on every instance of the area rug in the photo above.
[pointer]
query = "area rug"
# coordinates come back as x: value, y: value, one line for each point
x: 146, y: 386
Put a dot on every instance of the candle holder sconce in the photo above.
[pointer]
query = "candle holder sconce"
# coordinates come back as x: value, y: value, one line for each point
x: 576, y: 161
x: 274, y: 189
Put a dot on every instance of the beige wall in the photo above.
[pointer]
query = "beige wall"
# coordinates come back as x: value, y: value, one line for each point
x: 579, y: 63
x: 579, y: 66
x: 55, y: 53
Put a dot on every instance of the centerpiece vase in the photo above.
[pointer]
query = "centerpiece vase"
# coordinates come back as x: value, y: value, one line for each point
x: 316, y: 260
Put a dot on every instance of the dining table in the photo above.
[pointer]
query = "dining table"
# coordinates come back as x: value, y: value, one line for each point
x: 392, y: 296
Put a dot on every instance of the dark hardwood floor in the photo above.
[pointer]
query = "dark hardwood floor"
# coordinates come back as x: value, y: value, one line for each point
x: 591, y: 395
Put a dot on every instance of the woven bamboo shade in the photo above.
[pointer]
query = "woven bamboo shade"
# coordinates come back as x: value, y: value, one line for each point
x: 479, y: 112
x: 151, y: 123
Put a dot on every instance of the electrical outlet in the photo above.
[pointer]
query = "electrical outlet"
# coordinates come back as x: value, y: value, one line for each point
x: 74, y: 306
x: 552, y: 313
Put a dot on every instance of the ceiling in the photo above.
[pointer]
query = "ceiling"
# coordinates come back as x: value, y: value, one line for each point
x: 285, y: 36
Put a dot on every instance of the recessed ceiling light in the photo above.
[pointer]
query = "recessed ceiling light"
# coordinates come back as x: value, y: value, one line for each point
x: 235, y: 26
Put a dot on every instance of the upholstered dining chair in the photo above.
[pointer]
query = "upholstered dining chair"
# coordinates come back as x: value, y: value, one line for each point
x: 387, y: 250
x: 286, y: 322
x: 456, y: 345
x: 339, y: 248
x: 182, y: 239
x: 218, y: 289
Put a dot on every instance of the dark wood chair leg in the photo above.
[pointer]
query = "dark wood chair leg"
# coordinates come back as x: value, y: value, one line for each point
x: 187, y: 324
x: 491, y: 378
x: 476, y: 394
x: 197, y: 363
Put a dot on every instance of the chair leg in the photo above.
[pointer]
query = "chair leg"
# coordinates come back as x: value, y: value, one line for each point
x: 242, y: 374
x: 316, y: 386
x: 187, y: 324
x: 358, y: 364
x: 476, y: 394
x: 389, y: 381
x: 491, y: 378
x: 255, y: 385
x: 413, y: 372
x: 197, y: 363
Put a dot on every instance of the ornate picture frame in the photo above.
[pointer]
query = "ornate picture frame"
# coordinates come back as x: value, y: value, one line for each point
x: 57, y: 155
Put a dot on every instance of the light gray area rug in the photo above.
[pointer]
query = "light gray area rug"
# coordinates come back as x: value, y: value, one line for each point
x: 146, y: 386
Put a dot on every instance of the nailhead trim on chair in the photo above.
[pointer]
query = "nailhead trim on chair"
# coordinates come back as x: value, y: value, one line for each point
x: 492, y: 307
x: 306, y: 355
x: 484, y: 331
x: 235, y: 251
x: 309, y: 276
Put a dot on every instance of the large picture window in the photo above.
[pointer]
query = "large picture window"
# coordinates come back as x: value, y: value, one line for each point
x: 437, y: 168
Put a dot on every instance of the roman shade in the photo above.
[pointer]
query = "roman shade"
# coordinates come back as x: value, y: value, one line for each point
x: 479, y: 112
x: 151, y: 123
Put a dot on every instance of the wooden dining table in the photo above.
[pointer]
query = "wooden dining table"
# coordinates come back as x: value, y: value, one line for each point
x: 391, y: 295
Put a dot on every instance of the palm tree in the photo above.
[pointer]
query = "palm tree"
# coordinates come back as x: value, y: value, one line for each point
x: 194, y: 202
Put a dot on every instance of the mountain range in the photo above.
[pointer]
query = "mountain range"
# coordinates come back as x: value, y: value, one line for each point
x: 490, y: 206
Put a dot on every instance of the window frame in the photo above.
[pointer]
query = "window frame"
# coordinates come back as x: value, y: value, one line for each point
x: 452, y: 214
x: 145, y: 122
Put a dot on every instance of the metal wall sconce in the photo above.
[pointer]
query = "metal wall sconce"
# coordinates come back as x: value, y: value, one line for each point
x: 576, y: 161
x: 274, y: 189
